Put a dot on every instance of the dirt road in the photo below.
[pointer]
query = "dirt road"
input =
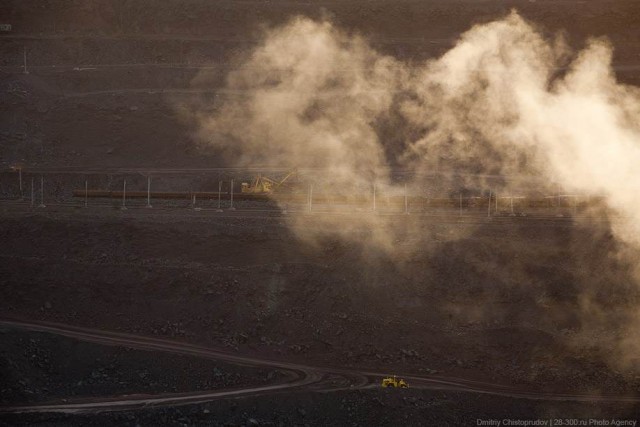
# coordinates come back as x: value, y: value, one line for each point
x: 315, y: 378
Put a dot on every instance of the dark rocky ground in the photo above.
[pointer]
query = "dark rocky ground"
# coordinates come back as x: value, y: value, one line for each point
x: 538, y: 306
x: 355, y: 408
x: 126, y: 111
x: 503, y: 303
x: 41, y: 367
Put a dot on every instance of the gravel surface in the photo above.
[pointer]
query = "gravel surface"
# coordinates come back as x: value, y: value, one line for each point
x: 502, y: 303
x: 347, y: 408
x: 37, y: 367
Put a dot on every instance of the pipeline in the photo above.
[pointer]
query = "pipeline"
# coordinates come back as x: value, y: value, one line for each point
x: 107, y: 194
x: 337, y: 199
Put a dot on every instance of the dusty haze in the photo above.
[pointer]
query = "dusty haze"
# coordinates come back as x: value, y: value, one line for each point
x: 505, y: 100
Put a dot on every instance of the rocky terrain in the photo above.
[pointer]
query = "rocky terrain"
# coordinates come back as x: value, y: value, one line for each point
x: 251, y: 286
x: 539, y: 305
x: 359, y: 408
x: 109, y: 82
x: 38, y: 367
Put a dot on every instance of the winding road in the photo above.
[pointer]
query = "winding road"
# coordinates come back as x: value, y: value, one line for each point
x: 299, y: 376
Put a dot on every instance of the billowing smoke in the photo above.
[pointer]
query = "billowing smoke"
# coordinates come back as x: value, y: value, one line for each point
x: 505, y: 100
x: 309, y: 97
x: 468, y: 101
x: 509, y: 101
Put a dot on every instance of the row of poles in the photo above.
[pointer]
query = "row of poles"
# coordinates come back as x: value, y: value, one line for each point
x: 193, y: 197
x: 406, y: 201
x: 219, y: 207
x: 193, y: 200
x: 33, y: 192
x: 124, y: 193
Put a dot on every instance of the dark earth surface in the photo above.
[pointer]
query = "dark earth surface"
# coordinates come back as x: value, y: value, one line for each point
x: 251, y: 285
x: 538, y: 305
x: 40, y: 367
x: 355, y: 408
x: 108, y: 80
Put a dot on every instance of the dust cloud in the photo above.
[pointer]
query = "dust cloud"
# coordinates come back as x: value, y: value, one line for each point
x: 309, y: 96
x: 510, y: 101
x: 504, y: 100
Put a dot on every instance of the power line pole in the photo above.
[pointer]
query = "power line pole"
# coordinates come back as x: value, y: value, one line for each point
x: 406, y: 202
x: 20, y: 181
x: 219, y: 197
x: 124, y: 196
x: 374, y: 197
x: 231, y: 208
x: 149, y: 191
x: 25, y: 60
x: 42, y: 205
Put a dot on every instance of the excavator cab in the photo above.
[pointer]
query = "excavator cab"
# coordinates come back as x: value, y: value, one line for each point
x: 260, y: 185
x: 394, y: 382
x: 264, y: 185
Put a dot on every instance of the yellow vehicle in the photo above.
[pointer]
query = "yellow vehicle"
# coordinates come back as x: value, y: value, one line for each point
x: 394, y: 382
x: 263, y: 185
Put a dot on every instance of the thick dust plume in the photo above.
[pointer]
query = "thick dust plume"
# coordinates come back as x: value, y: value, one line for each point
x: 505, y: 100
x: 308, y: 96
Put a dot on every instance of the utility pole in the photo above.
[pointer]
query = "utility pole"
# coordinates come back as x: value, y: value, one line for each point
x: 406, y: 202
x: 149, y: 191
x: 86, y: 193
x: 20, y: 181
x: 219, y: 197
x: 42, y: 205
x: 25, y: 60
x: 489, y: 205
x: 124, y: 196
x: 32, y: 194
x: 231, y: 208
x: 374, y: 197
x: 460, y: 214
x: 195, y: 199
x: 310, y: 196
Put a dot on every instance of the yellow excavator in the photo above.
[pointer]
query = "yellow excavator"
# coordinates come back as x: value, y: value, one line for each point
x: 263, y: 185
x: 394, y: 382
